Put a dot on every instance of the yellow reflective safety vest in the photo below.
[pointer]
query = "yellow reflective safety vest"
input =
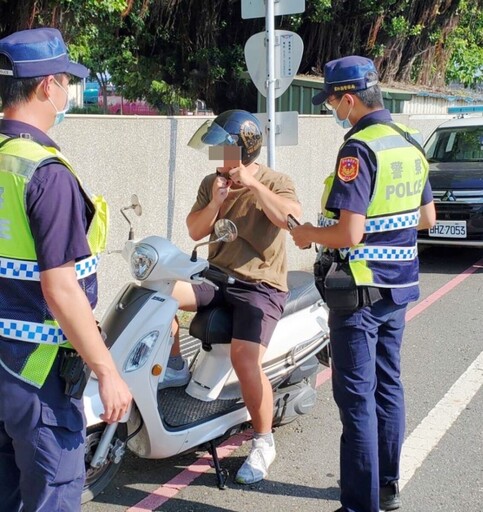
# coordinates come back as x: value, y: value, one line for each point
x: 387, y: 256
x: 19, y: 159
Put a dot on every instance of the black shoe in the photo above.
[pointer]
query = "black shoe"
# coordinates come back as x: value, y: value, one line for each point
x: 389, y: 497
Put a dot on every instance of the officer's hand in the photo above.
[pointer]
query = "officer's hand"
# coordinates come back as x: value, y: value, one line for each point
x: 302, y: 235
x: 115, y: 397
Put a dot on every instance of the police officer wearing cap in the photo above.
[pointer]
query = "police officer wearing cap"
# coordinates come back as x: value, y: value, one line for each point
x: 51, y: 232
x: 374, y: 203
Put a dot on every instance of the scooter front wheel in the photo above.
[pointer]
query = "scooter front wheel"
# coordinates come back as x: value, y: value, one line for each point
x: 97, y: 479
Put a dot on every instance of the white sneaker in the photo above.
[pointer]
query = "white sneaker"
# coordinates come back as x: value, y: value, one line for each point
x: 255, y: 467
x: 175, y: 378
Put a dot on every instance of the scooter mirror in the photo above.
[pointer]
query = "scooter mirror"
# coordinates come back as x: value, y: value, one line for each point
x: 225, y: 230
x: 136, y: 205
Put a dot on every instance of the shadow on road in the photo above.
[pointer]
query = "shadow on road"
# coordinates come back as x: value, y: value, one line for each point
x: 447, y: 260
x: 122, y: 492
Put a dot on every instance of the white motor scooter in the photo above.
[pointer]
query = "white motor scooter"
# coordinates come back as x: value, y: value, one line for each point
x: 169, y: 421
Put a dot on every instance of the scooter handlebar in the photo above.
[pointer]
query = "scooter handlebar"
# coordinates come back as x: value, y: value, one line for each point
x: 217, y: 276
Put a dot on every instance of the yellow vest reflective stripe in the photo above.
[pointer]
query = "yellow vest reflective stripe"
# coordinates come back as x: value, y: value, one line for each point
x: 29, y: 270
x: 32, y: 332
x: 383, y: 253
x: 380, y: 224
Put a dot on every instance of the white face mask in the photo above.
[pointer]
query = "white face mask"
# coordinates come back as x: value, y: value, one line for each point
x: 345, y: 123
x: 60, y: 114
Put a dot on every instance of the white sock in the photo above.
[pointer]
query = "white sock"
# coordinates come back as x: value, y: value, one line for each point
x: 268, y: 437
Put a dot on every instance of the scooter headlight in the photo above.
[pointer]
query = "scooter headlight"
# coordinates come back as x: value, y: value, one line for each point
x: 143, y: 260
x: 140, y: 353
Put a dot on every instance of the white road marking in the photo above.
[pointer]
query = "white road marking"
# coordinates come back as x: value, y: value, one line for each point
x: 430, y: 431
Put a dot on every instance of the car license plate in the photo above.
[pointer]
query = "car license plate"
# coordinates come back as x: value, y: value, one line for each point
x: 449, y: 229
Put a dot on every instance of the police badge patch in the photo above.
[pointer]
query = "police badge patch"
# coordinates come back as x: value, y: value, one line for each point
x: 348, y: 168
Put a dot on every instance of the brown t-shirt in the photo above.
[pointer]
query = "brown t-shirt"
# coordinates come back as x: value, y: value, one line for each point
x: 258, y: 254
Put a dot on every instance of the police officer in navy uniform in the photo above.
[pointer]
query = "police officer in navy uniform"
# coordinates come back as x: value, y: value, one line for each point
x: 51, y: 231
x: 377, y: 199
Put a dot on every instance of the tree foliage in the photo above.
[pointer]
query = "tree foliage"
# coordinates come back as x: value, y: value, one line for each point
x: 406, y: 38
x: 174, y: 51
x: 466, y: 46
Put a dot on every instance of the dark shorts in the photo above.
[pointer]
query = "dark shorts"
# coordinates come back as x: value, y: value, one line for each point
x: 256, y: 307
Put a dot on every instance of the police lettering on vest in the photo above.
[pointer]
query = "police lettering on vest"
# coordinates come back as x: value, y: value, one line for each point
x: 404, y: 189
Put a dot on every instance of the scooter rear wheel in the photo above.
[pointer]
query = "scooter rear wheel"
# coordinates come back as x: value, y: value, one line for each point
x: 97, y: 479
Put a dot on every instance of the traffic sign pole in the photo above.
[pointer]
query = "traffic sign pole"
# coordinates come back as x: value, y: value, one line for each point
x: 271, y: 80
x: 273, y: 75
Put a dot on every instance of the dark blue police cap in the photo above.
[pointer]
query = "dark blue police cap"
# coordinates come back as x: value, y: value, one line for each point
x: 38, y: 52
x: 347, y: 74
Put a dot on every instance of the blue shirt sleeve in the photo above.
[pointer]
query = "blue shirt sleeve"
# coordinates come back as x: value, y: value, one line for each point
x: 353, y: 195
x: 427, y: 196
x: 57, y: 214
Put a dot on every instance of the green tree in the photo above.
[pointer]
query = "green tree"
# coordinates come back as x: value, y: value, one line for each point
x: 172, y: 52
x: 406, y: 38
x: 466, y: 46
x: 109, y: 37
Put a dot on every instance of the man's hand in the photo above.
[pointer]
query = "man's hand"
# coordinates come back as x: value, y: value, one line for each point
x: 302, y: 235
x: 115, y: 397
x: 242, y: 177
x: 220, y: 189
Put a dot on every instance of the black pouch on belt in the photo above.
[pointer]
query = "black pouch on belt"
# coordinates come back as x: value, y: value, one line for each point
x: 341, y: 292
x: 340, y: 289
x: 74, y: 371
x: 322, y: 265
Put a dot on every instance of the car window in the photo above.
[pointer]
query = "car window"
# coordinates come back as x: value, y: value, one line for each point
x: 463, y: 144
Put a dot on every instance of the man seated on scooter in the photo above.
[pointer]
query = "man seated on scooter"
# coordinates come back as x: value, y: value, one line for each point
x: 258, y: 200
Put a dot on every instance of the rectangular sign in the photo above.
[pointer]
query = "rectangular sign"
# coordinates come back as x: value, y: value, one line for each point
x: 286, y: 128
x: 257, y: 9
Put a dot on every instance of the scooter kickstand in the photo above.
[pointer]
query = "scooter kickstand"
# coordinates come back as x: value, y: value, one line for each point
x: 221, y: 473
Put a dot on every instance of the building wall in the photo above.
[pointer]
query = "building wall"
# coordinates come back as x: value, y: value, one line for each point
x: 409, y: 100
x: 119, y: 156
x: 432, y: 105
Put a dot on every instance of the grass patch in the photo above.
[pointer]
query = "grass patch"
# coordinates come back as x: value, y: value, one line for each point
x: 185, y: 318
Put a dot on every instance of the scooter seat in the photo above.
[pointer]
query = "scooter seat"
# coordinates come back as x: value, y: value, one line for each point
x: 211, y: 326
x: 214, y: 325
x: 302, y: 291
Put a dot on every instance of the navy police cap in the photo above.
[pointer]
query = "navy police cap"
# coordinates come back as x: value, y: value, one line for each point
x: 38, y: 52
x: 347, y: 74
